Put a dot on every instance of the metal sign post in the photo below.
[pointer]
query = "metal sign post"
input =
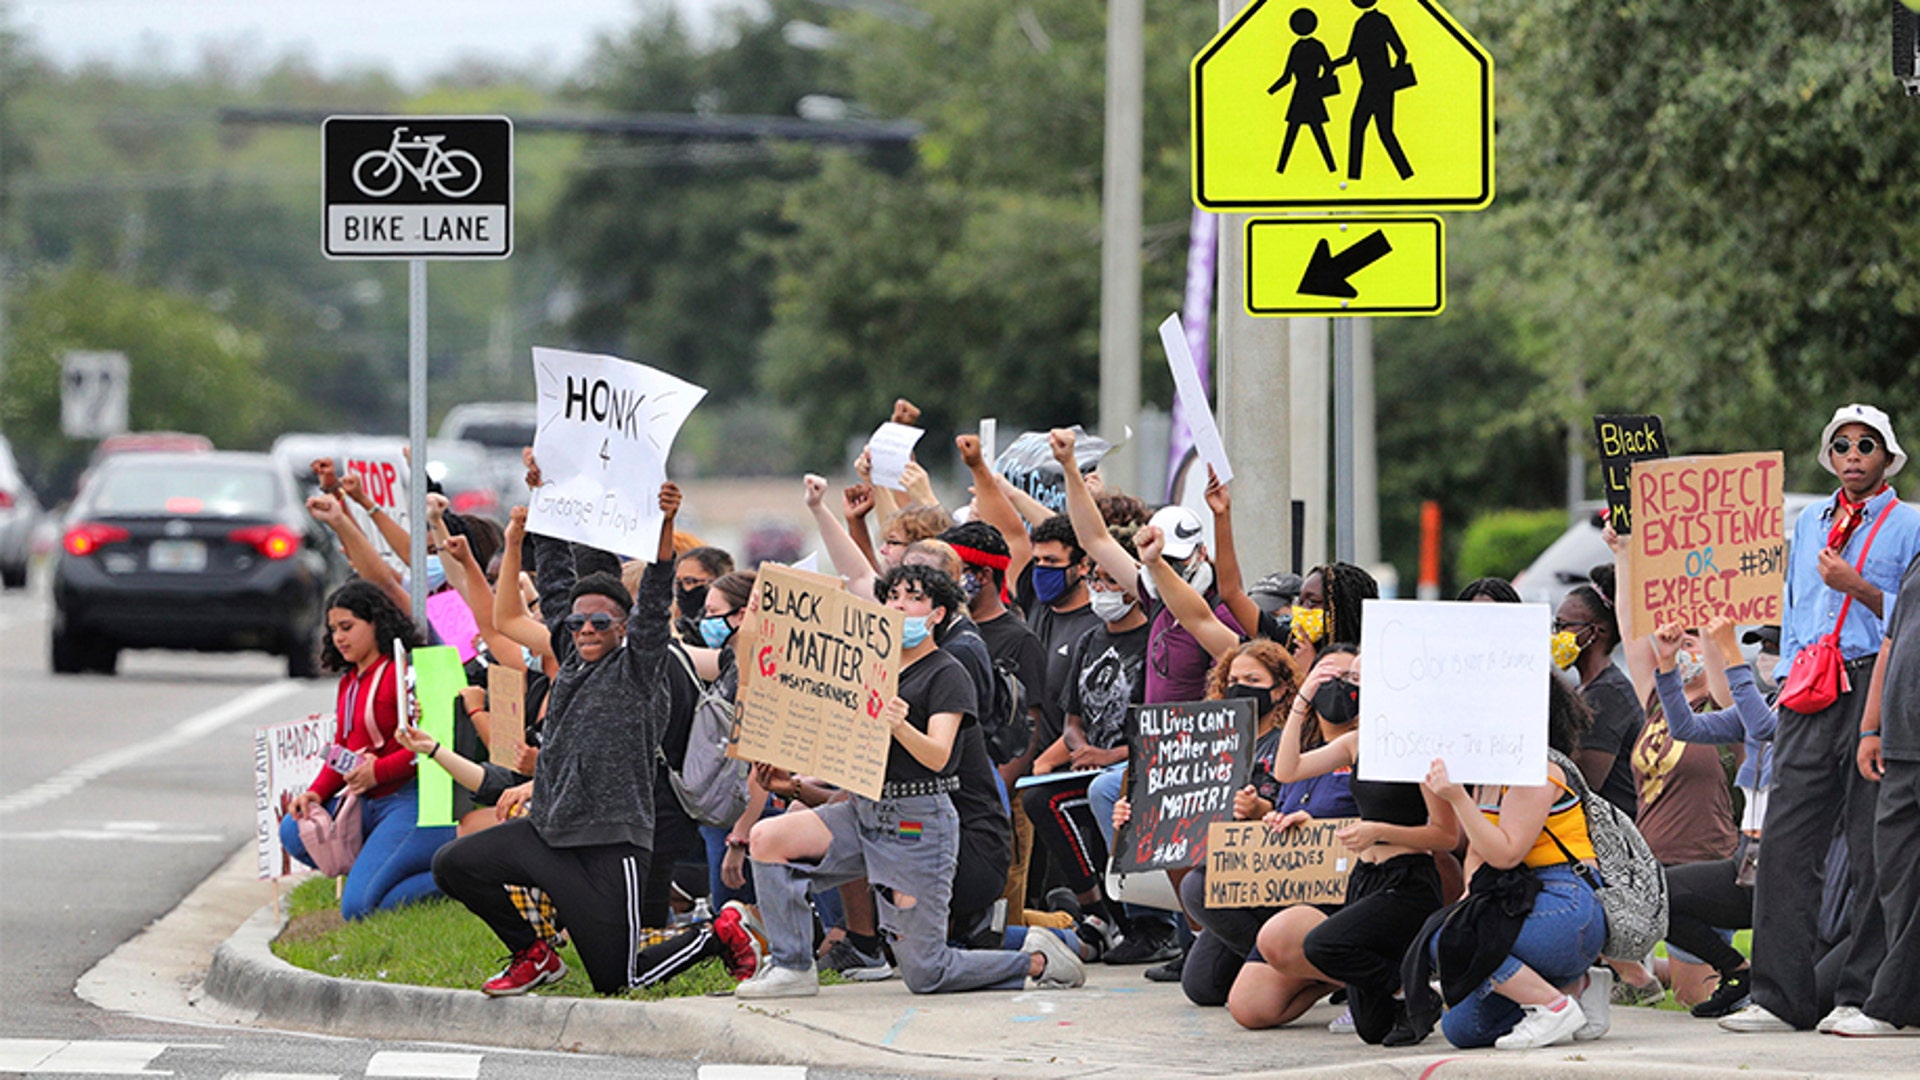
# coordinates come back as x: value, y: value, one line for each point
x: 417, y: 435
x: 1344, y: 545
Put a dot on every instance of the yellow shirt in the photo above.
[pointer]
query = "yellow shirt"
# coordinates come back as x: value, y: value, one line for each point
x: 1566, y: 820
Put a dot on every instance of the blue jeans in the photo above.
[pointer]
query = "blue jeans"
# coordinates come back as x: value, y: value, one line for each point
x: 395, y: 864
x: 1559, y: 941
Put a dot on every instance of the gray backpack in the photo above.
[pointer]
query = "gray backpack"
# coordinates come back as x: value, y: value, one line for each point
x: 1633, y: 888
x: 711, y: 787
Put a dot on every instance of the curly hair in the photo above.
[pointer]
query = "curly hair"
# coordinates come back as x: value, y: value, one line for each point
x: 1119, y: 508
x: 1568, y: 719
x: 1278, y: 662
x: 369, y: 604
x: 928, y: 581
x: 1058, y: 529
x: 978, y: 536
x: 1345, y: 586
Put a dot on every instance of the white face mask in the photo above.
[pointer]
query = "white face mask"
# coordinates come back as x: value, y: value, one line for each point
x: 1110, y: 606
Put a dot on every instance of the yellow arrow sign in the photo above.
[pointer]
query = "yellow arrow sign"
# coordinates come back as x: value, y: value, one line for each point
x: 1352, y: 266
x: 1342, y: 104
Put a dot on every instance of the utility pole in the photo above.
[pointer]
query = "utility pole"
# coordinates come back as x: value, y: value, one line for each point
x: 1120, y: 211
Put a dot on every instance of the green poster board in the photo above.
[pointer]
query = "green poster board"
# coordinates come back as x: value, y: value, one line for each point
x: 437, y: 677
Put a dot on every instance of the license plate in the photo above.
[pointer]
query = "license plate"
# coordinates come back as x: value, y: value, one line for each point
x: 177, y: 556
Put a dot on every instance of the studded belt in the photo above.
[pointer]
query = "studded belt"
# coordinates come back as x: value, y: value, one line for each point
x: 907, y: 789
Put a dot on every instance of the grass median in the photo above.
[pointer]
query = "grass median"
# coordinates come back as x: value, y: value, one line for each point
x: 435, y: 943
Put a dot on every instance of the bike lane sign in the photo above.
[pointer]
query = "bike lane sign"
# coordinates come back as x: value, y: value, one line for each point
x: 417, y: 187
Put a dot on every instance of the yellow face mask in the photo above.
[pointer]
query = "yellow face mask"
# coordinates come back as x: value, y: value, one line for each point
x: 1309, y: 624
x: 1566, y: 649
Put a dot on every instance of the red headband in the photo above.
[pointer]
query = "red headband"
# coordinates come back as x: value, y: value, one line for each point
x: 981, y: 558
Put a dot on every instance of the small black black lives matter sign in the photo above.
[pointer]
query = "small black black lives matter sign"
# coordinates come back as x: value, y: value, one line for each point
x: 1184, y: 762
x: 417, y: 187
x: 1624, y: 440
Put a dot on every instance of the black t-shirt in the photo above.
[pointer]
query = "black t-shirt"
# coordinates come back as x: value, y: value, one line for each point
x: 936, y: 683
x: 1110, y: 674
x: 961, y: 640
x: 1010, y: 642
x: 1617, y: 720
x: 1058, y: 631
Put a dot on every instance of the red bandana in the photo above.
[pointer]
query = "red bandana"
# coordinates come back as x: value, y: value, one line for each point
x: 1847, y: 516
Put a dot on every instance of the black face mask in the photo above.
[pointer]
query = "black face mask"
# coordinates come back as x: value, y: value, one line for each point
x: 693, y: 602
x: 1261, y: 696
x: 1337, y: 701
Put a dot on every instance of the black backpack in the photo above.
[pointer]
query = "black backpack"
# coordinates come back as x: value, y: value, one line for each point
x: 1006, y: 722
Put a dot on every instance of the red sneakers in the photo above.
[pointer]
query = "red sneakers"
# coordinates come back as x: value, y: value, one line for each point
x: 535, y: 965
x: 742, y: 948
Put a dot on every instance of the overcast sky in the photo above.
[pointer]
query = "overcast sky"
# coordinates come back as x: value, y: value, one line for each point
x: 407, y: 37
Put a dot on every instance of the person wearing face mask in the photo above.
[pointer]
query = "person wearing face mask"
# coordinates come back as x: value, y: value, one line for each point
x: 1396, y: 883
x: 906, y: 843
x: 1585, y: 634
x: 1109, y: 665
x: 587, y: 837
x: 693, y: 573
x: 1328, y: 611
x: 1060, y: 614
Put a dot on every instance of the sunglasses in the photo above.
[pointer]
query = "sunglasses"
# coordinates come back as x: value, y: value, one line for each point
x: 1841, y: 444
x: 599, y: 620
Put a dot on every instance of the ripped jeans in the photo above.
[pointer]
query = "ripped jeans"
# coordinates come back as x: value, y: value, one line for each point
x: 907, y: 848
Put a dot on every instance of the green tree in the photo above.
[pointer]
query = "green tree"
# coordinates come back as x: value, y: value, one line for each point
x: 191, y: 370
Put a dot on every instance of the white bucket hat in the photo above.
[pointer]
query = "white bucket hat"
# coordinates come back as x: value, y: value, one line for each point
x: 1871, y: 417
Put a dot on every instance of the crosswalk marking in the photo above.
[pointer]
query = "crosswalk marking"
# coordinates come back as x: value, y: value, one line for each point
x: 442, y: 1066
x: 96, y: 1058
x: 753, y: 1072
x: 280, y: 1076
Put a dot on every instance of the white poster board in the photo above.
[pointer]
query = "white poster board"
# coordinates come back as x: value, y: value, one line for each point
x: 1465, y: 683
x: 888, y: 451
x: 286, y: 758
x: 1193, y: 396
x: 384, y: 477
x: 606, y: 427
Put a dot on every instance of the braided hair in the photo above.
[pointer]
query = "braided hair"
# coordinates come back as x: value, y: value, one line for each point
x: 1345, y: 586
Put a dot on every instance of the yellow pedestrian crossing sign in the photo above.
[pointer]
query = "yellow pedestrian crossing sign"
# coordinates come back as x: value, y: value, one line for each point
x: 1343, y: 104
x: 1325, y: 266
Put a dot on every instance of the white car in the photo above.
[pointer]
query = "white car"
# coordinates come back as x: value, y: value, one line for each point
x: 19, y: 515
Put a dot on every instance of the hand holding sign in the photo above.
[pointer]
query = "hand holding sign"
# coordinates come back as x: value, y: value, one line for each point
x: 889, y: 451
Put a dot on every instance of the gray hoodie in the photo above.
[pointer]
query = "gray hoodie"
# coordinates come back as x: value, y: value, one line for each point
x: 594, y: 784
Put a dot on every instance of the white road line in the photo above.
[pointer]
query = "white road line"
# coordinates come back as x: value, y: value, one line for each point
x: 432, y: 1066
x: 118, y: 837
x: 280, y: 1076
x: 753, y: 1072
x: 152, y: 750
x: 94, y: 1058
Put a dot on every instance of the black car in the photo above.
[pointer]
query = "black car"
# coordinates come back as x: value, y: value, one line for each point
x: 209, y: 551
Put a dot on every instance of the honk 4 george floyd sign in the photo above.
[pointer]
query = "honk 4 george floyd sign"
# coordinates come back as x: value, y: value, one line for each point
x: 606, y: 426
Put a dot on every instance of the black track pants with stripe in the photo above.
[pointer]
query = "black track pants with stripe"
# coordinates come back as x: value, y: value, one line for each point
x: 597, y: 890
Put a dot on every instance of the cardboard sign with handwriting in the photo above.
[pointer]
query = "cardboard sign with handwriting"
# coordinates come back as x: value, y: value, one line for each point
x: 817, y: 667
x: 506, y: 714
x: 1709, y: 539
x: 1252, y: 865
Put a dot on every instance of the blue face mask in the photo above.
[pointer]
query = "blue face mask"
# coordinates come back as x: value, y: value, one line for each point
x: 1050, y: 583
x: 916, y: 631
x: 715, y: 631
x: 436, y: 573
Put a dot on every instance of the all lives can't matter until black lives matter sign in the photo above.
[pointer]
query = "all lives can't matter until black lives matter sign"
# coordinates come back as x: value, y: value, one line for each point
x: 417, y: 187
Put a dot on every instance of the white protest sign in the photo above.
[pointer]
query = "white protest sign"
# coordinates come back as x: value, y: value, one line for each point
x: 811, y: 564
x: 1465, y: 683
x: 1186, y: 383
x: 989, y: 438
x: 606, y: 427
x: 286, y: 758
x: 384, y: 475
x: 888, y: 451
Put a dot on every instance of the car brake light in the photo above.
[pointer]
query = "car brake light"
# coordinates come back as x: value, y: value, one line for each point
x: 273, y: 541
x: 472, y: 502
x: 89, y: 537
x: 6, y: 500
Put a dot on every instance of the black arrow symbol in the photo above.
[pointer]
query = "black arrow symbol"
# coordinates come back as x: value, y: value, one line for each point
x: 1327, y: 273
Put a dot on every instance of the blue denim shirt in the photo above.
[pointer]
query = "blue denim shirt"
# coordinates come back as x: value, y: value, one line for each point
x: 1812, y: 607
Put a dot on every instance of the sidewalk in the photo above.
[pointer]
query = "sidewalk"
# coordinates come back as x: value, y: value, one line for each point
x: 1119, y: 1025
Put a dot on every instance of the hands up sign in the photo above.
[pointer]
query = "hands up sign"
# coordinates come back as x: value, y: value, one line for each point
x: 606, y: 426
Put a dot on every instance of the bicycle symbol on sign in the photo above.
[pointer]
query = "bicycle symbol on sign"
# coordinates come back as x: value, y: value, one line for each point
x: 453, y: 173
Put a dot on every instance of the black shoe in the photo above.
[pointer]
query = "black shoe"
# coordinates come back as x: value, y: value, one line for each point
x: 1407, y: 1031
x: 1062, y: 899
x: 1169, y: 971
x: 1338, y: 997
x: 1732, y: 995
x: 1144, y: 944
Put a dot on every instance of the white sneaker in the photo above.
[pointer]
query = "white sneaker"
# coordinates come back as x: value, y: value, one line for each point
x: 1342, y: 1024
x: 774, y: 981
x: 1064, y: 971
x: 1542, y: 1026
x: 1866, y: 1027
x: 1595, y: 1002
x: 1840, y: 1015
x: 1752, y: 1019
